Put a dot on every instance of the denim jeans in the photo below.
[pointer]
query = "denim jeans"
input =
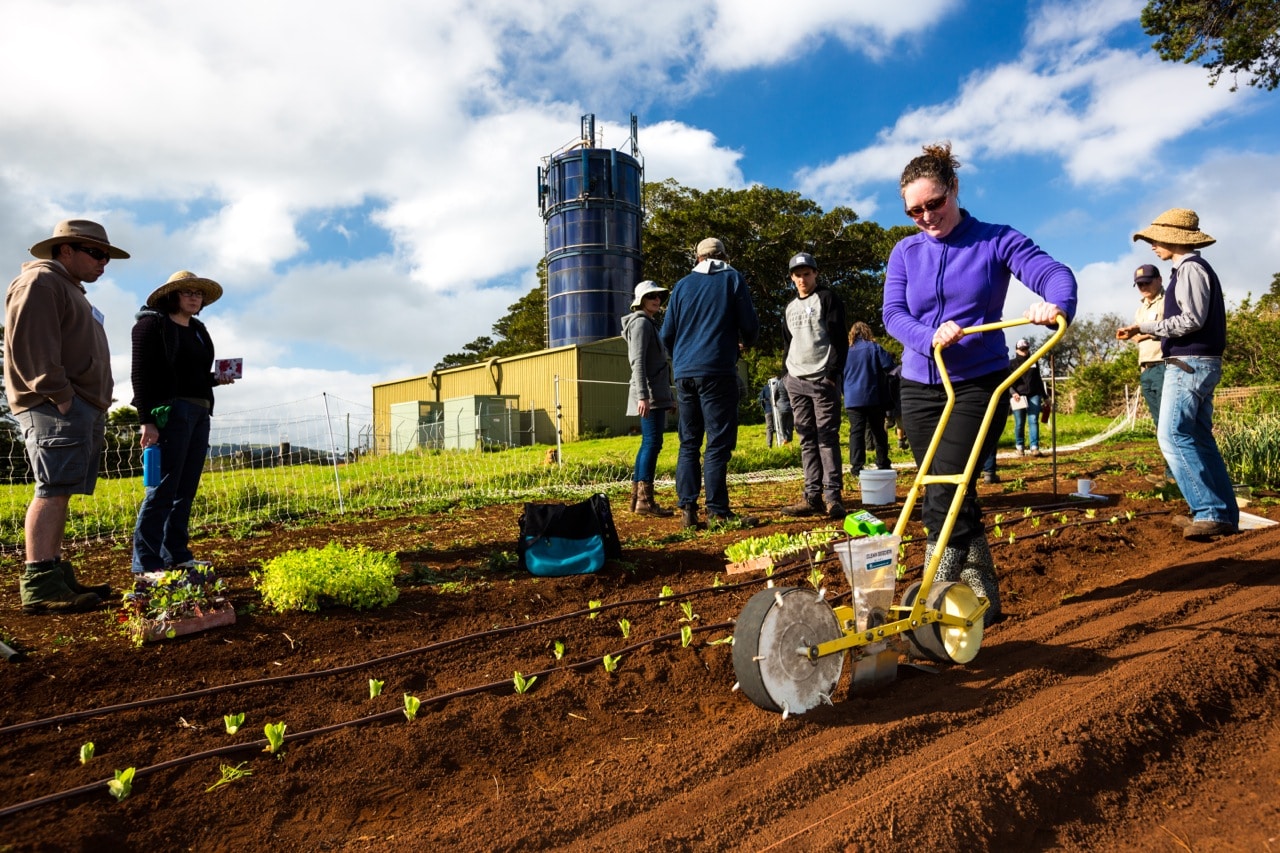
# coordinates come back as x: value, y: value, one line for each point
x: 652, y: 426
x: 922, y: 407
x: 161, y: 534
x: 1187, y: 442
x: 708, y: 408
x: 1151, y: 380
x: 1020, y: 418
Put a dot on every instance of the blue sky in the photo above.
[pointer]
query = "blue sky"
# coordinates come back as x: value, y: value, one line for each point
x: 361, y: 182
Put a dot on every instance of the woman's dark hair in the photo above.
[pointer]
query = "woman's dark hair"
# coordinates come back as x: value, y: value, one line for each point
x: 168, y: 304
x: 937, y: 162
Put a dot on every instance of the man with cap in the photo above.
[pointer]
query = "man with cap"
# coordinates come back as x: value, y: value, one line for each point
x: 57, y: 372
x: 1150, y: 359
x: 710, y: 315
x: 1028, y: 397
x: 1193, y: 337
x: 815, y: 345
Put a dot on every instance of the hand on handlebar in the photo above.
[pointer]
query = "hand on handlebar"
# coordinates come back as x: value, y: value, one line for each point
x: 1042, y: 313
x: 948, y: 333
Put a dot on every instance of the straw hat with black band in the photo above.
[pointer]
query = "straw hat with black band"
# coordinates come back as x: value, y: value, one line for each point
x: 187, y: 280
x: 1176, y: 227
x: 79, y: 231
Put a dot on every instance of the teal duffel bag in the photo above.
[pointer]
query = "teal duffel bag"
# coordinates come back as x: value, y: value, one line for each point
x: 567, y: 539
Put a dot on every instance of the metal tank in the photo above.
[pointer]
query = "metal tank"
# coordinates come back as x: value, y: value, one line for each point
x: 590, y: 199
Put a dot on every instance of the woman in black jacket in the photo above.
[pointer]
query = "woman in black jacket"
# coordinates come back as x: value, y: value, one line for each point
x: 173, y: 392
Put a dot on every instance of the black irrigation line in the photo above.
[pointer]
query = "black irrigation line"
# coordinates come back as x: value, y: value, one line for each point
x: 439, y: 699
x: 74, y: 716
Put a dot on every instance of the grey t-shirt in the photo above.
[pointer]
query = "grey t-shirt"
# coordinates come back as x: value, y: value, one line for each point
x: 810, y: 345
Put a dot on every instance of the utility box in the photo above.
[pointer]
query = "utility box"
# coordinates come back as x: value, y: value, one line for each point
x: 416, y: 425
x: 491, y: 421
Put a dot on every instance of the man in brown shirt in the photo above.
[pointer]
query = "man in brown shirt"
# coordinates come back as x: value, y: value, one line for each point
x: 57, y: 372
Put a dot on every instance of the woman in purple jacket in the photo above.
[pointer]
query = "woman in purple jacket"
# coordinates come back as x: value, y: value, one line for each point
x: 955, y: 274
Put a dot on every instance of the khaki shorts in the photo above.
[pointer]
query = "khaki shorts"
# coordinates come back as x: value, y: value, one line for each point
x: 64, y: 450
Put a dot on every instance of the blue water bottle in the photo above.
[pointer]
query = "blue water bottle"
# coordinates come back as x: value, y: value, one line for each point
x: 151, y: 466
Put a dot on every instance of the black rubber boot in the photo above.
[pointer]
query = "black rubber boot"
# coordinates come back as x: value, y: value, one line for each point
x: 43, y: 590
x: 101, y: 590
x: 979, y: 573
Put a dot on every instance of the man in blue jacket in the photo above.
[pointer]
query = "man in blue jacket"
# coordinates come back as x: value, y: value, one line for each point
x: 709, y: 316
x: 815, y: 346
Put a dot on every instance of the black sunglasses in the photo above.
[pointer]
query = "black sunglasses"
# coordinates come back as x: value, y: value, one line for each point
x: 931, y: 205
x: 92, y: 251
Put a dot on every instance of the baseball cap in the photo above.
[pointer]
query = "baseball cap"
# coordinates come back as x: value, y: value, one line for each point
x: 1146, y: 273
x: 1022, y: 344
x: 710, y: 248
x: 802, y: 259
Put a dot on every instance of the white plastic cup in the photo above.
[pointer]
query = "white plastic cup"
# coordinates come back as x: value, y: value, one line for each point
x: 1084, y: 487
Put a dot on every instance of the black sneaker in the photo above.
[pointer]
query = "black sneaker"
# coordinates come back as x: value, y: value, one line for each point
x: 836, y: 511
x: 989, y: 477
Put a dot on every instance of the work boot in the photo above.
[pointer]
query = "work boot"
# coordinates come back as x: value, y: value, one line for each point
x: 101, y: 590
x: 808, y: 506
x: 635, y: 490
x: 979, y: 573
x: 836, y: 511
x: 1203, y: 529
x: 645, y: 504
x: 689, y: 516
x: 952, y: 561
x: 43, y: 590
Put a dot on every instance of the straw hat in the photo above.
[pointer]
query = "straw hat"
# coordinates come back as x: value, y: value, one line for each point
x: 77, y: 231
x: 643, y: 289
x: 185, y: 280
x: 1176, y: 227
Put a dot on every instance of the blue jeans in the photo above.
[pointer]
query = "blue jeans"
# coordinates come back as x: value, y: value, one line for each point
x: 1187, y: 442
x: 1020, y: 417
x: 652, y: 426
x: 161, y: 534
x: 1151, y: 380
x: 708, y: 407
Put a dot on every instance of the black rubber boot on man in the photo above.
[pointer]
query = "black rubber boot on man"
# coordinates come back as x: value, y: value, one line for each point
x: 101, y: 590
x: 43, y: 590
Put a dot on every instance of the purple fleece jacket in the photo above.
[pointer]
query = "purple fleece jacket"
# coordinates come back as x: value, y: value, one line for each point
x: 964, y: 277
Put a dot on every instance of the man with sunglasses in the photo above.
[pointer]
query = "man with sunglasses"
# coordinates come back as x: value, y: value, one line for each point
x: 57, y: 373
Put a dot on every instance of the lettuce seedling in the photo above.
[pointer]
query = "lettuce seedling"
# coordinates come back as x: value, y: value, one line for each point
x: 815, y: 577
x: 625, y: 625
x: 686, y: 607
x: 411, y: 705
x: 230, y: 774
x: 275, y: 737
x: 558, y: 649
x: 86, y: 752
x: 594, y: 606
x: 686, y: 635
x: 121, y: 786
x: 523, y: 684
x: 233, y: 722
x: 611, y: 662
x: 667, y: 592
x: 721, y: 641
x: 375, y: 688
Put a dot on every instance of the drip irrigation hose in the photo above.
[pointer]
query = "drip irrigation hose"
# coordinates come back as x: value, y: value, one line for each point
x: 439, y: 699
x: 74, y: 716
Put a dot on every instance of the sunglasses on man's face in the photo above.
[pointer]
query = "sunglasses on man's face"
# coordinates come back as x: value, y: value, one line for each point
x: 931, y: 205
x: 92, y: 251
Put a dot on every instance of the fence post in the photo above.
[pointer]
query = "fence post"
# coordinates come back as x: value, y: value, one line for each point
x: 555, y: 398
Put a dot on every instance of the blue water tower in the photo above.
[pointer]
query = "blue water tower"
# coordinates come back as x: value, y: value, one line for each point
x: 590, y: 199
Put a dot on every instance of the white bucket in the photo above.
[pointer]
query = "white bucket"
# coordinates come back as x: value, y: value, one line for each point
x: 879, y: 485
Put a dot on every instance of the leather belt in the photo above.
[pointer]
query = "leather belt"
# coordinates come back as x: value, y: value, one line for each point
x: 1145, y: 365
x: 1179, y: 363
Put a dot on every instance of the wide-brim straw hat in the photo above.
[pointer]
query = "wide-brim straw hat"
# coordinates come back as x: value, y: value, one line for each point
x: 77, y: 231
x: 187, y: 280
x: 643, y: 289
x: 1176, y: 227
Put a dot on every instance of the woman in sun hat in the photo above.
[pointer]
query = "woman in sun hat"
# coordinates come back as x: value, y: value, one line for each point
x: 173, y: 392
x: 954, y: 274
x: 1193, y: 337
x: 649, y: 393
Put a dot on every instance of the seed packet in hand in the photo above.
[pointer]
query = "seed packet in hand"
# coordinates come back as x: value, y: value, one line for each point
x: 229, y: 368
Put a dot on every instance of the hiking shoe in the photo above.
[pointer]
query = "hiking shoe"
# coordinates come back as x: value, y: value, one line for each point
x: 1181, y: 522
x: 804, y: 508
x: 1207, y: 529
x: 714, y: 521
x: 990, y: 477
x: 688, y: 516
x: 836, y: 511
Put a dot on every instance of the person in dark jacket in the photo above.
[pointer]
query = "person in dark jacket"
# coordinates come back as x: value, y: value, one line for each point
x: 1194, y: 335
x: 173, y: 384
x: 866, y: 392
x: 779, y: 425
x: 648, y: 393
x: 815, y: 342
x: 710, y: 317
x: 1028, y: 397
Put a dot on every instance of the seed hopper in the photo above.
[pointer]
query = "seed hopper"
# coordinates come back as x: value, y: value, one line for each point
x: 789, y: 644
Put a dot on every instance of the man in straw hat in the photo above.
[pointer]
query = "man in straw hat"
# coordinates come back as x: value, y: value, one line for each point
x: 57, y: 371
x: 1193, y: 337
x: 709, y: 316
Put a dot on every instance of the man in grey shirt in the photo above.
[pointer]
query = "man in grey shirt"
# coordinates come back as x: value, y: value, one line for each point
x: 815, y: 338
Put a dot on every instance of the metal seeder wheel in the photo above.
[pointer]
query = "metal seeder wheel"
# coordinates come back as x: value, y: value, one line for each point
x: 771, y: 650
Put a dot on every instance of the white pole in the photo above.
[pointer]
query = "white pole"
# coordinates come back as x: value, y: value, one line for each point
x: 555, y: 396
x: 333, y: 451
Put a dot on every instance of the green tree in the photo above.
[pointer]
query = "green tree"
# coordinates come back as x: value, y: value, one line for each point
x: 1232, y: 36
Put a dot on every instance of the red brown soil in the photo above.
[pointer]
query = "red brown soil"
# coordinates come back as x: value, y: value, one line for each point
x: 1129, y: 703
